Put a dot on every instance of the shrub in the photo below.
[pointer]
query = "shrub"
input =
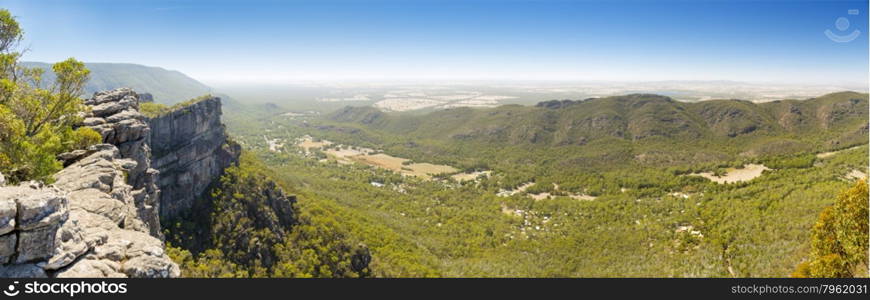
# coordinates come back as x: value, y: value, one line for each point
x: 36, y: 123
x: 840, y: 238
x: 152, y: 110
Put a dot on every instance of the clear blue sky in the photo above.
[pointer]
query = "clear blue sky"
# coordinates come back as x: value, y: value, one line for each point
x: 760, y: 41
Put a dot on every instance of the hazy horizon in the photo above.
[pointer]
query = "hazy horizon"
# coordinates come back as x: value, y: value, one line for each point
x: 266, y: 42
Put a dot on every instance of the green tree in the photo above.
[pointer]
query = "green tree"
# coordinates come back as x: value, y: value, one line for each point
x: 248, y: 227
x: 839, y: 239
x: 36, y: 122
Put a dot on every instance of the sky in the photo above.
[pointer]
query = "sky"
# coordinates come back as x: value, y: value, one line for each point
x: 280, y: 41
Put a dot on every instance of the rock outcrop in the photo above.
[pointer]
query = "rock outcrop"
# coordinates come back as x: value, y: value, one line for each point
x: 115, y: 115
x: 85, y: 225
x: 190, y: 149
x: 100, y: 217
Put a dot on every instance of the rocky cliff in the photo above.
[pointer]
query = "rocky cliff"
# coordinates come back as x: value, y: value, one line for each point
x: 190, y: 149
x: 115, y: 115
x: 99, y: 219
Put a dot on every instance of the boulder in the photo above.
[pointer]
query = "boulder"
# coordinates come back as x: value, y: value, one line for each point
x: 86, y: 225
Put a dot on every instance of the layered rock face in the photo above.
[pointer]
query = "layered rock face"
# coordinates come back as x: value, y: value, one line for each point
x: 115, y: 115
x: 190, y: 149
x: 85, y: 225
x: 99, y: 219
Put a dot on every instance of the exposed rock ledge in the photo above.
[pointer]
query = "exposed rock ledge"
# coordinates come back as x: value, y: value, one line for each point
x: 115, y: 115
x: 99, y: 219
x: 85, y: 225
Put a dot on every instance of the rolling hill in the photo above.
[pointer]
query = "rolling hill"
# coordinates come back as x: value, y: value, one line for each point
x: 829, y: 121
x: 633, y: 117
x: 167, y: 87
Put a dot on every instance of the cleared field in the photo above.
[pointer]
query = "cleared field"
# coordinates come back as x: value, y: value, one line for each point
x: 308, y: 143
x: 432, y: 169
x: 470, y: 176
x: 348, y: 155
x: 311, y: 144
x: 382, y: 160
x: 747, y: 173
x: 396, y: 164
x: 344, y: 152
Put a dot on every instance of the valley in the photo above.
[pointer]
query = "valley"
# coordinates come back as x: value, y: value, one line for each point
x: 637, y: 185
x: 433, y: 139
x: 602, y: 205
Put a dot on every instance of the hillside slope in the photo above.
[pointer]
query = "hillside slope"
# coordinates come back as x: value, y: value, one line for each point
x: 631, y: 117
x: 631, y: 159
x: 639, y: 123
x: 167, y: 86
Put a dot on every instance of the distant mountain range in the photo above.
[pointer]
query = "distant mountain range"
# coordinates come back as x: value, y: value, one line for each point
x: 167, y: 87
x: 644, y: 121
x: 635, y: 117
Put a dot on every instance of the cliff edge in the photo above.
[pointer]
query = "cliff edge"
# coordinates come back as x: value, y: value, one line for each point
x: 190, y: 150
x: 99, y: 219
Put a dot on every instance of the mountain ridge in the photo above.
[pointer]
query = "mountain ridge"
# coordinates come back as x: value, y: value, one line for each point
x: 631, y: 117
x: 167, y: 86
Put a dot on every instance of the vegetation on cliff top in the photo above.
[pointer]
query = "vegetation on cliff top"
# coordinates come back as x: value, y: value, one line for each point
x: 37, y: 124
x: 154, y: 109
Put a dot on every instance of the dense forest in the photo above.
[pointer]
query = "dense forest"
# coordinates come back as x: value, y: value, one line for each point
x: 600, y: 143
x: 248, y: 227
x: 649, y: 218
